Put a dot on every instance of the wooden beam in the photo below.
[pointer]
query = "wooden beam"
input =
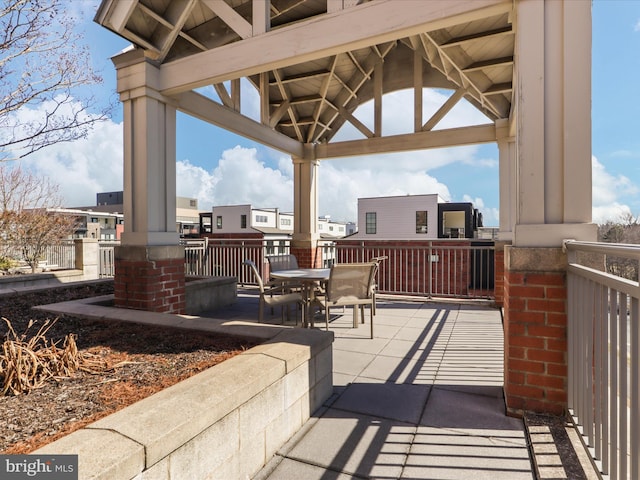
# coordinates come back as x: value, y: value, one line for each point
x: 261, y: 17
x: 417, y: 91
x: 378, y: 22
x: 452, y: 137
x: 206, y: 109
x: 223, y: 94
x: 377, y: 98
x: 229, y: 16
x: 444, y: 109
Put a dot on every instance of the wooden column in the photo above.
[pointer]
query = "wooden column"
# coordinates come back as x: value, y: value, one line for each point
x: 305, y: 210
x: 149, y: 262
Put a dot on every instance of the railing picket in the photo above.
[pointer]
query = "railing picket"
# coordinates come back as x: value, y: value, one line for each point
x: 634, y: 363
x: 623, y: 381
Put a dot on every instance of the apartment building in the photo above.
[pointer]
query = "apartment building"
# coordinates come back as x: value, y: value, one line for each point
x: 187, y: 212
x: 415, y: 217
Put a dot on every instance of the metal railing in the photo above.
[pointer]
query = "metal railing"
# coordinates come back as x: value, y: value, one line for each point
x: 604, y: 356
x: 62, y: 256
x: 460, y: 269
x: 106, y: 258
x: 439, y: 268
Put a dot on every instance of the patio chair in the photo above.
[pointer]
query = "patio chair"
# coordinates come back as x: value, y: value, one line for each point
x: 350, y: 284
x: 274, y: 296
x: 283, y: 262
x: 374, y: 286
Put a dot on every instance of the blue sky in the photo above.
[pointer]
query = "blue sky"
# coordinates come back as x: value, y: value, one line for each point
x: 220, y: 168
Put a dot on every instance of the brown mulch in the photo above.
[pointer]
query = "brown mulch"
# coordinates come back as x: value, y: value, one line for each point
x: 138, y: 361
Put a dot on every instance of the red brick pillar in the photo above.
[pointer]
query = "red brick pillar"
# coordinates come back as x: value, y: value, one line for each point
x: 498, y: 287
x: 307, y: 254
x: 535, y: 324
x: 150, y: 278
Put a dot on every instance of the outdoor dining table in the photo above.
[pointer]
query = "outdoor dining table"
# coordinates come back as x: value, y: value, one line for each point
x: 308, y: 277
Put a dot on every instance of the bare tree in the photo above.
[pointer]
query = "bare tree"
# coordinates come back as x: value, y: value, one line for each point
x: 626, y: 230
x: 43, y: 65
x: 29, y: 219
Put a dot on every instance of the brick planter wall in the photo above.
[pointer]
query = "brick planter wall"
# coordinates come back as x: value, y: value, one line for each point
x: 150, y: 278
x: 535, y: 323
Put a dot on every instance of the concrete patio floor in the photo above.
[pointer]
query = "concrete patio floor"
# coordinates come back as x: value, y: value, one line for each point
x: 422, y: 400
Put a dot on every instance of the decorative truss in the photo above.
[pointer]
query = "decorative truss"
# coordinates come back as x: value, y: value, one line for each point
x: 313, y: 62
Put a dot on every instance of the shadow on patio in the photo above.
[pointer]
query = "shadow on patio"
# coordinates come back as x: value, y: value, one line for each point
x: 423, y: 399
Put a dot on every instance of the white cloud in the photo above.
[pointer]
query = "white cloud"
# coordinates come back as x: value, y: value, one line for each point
x: 239, y: 178
x: 84, y: 167
x: 607, y: 192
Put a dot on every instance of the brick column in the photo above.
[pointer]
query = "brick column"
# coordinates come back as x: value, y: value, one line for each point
x: 535, y: 323
x: 150, y: 278
x: 307, y: 254
x: 498, y: 260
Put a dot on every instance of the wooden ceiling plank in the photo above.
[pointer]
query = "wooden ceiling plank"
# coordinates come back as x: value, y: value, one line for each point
x: 379, y: 21
x: 229, y: 16
x: 205, y: 109
x: 303, y: 76
x: 494, y: 62
x: 508, y: 30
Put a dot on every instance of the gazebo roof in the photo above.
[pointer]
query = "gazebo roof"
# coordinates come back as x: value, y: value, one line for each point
x: 314, y: 62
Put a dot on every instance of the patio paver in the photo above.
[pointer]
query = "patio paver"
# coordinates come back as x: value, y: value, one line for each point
x: 422, y: 400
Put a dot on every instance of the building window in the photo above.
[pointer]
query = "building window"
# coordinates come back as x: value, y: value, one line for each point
x: 285, y: 221
x: 370, y: 222
x: 421, y: 222
x: 269, y: 250
x: 193, y: 203
x: 331, y: 228
x: 218, y: 222
x: 261, y: 219
x: 243, y: 221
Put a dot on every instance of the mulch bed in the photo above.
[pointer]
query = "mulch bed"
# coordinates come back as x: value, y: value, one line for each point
x: 136, y: 360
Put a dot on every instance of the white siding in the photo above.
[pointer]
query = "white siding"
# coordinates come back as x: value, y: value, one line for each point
x: 396, y: 217
x: 231, y: 215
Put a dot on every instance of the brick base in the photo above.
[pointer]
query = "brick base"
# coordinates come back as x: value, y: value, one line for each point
x: 535, y: 323
x: 150, y: 278
x: 307, y: 256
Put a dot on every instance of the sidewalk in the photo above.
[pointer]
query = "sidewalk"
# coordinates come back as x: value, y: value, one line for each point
x: 422, y: 400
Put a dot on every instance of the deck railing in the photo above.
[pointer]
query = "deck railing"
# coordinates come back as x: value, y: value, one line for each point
x: 460, y: 269
x: 438, y: 268
x: 604, y: 357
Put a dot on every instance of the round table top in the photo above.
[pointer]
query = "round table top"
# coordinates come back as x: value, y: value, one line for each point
x: 303, y: 273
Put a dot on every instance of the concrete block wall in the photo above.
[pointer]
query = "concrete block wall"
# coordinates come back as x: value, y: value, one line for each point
x: 226, y: 422
x: 535, y: 308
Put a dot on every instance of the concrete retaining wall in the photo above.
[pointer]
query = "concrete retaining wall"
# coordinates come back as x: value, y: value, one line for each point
x: 224, y: 423
x: 44, y: 279
x: 208, y: 293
